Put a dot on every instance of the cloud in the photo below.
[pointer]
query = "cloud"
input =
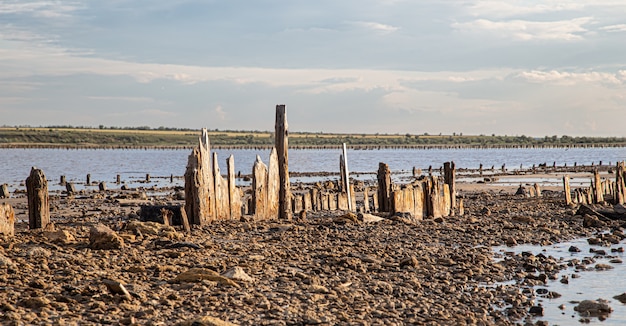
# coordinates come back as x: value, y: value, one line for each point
x: 219, y: 110
x: 565, y: 30
x: 376, y: 27
x: 614, y: 28
x: 42, y: 9
x: 569, y: 78
x: 504, y: 8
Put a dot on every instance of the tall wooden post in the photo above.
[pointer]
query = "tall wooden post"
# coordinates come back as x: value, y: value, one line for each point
x: 199, y: 185
x: 384, y: 187
x: 346, y: 177
x: 7, y: 219
x: 234, y: 197
x: 4, y: 191
x: 273, y: 186
x: 281, y: 135
x: 567, y: 190
x: 38, y: 206
x: 259, y: 190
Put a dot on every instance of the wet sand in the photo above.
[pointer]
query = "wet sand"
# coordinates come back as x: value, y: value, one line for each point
x: 320, y: 270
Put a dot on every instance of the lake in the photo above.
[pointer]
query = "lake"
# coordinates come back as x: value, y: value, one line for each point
x: 106, y: 164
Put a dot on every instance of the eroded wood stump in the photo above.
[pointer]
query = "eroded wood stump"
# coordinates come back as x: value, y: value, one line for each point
x: 7, y: 219
x: 38, y: 205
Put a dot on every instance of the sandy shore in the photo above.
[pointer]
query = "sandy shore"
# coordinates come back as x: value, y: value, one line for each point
x: 321, y: 270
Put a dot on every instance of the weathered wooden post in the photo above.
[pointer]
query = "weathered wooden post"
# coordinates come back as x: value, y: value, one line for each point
x: 620, y: 185
x: 346, y: 177
x: 273, y: 186
x: 4, y: 191
x: 118, y: 179
x: 597, y: 187
x: 38, y: 206
x: 147, y: 177
x: 449, y: 169
x: 234, y: 196
x: 259, y: 190
x: 384, y: 187
x: 281, y: 135
x: 70, y: 188
x: 366, y: 200
x: 62, y: 181
x: 7, y: 219
x: 88, y: 179
x: 222, y: 208
x: 199, y: 186
x: 102, y: 186
x: 537, y: 190
x: 567, y: 190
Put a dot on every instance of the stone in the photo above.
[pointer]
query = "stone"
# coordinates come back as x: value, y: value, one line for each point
x: 369, y: 218
x: 573, y: 249
x: 346, y: 218
x: 593, y: 308
x: 510, y: 241
x: 117, y: 288
x: 621, y: 298
x: 199, y: 274
x: 206, y: 321
x: 60, y: 236
x: 101, y: 237
x: 536, y: 310
x: 238, y: 274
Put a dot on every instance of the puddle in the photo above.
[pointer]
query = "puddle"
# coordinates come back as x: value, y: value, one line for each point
x: 589, y: 284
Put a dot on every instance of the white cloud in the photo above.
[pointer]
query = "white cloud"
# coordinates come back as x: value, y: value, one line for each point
x: 504, y: 8
x: 376, y: 27
x: 43, y: 9
x: 614, y: 28
x: 566, y: 30
x: 569, y: 78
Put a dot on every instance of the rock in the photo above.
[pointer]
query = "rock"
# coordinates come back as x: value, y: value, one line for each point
x: 369, y: 218
x: 590, y: 221
x: 6, y: 262
x: 573, y: 249
x: 148, y: 228
x: 536, y: 310
x: 238, y: 274
x: 593, y: 308
x: 117, y: 288
x: 346, y: 218
x: 34, y: 303
x: 409, y: 261
x: 621, y: 298
x: 603, y: 267
x: 206, y: 321
x: 60, y: 236
x: 101, y: 237
x: 199, y: 274
x: 510, y: 241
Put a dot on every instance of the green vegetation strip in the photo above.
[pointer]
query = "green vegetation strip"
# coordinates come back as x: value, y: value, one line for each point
x: 183, y: 138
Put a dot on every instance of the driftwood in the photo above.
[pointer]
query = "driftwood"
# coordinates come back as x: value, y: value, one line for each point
x: 38, y: 205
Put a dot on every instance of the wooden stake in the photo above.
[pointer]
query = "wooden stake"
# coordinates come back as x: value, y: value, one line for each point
x: 346, y: 178
x: 7, y: 219
x: 597, y: 187
x: 384, y: 187
x: 38, y: 206
x: 281, y: 135
x: 273, y: 186
x: 567, y: 190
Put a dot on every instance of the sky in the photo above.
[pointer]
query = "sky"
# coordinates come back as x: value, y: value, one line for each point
x: 502, y: 67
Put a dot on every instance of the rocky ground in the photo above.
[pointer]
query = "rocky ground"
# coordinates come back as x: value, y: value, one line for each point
x: 325, y: 269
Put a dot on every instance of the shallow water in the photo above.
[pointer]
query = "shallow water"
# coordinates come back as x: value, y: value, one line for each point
x: 591, y: 284
x: 133, y: 165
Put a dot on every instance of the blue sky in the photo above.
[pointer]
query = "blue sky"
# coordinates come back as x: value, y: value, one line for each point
x: 391, y: 66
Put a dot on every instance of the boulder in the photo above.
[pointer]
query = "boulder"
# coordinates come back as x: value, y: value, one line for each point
x: 369, y: 218
x: 102, y: 237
